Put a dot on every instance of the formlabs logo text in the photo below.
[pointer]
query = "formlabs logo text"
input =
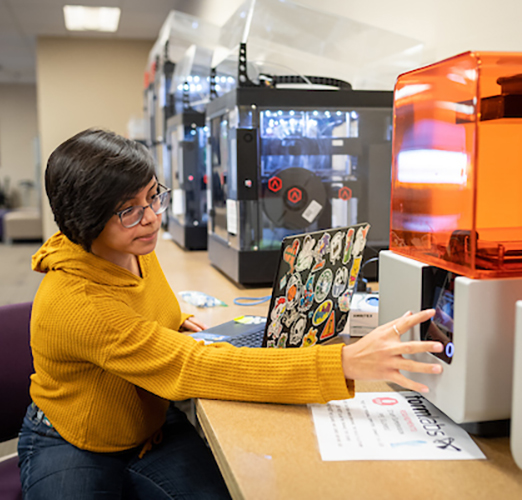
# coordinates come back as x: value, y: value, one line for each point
x: 430, y: 423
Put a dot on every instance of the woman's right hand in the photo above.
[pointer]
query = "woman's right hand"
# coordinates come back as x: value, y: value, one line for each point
x: 379, y: 354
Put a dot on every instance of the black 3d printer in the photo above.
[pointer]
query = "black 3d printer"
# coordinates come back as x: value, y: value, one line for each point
x: 284, y: 161
x: 186, y: 138
x: 174, y: 104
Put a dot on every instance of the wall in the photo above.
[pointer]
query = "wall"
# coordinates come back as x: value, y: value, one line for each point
x: 18, y: 133
x: 82, y: 83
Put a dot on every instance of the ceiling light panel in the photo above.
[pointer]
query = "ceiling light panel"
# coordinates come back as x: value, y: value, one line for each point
x: 81, y: 18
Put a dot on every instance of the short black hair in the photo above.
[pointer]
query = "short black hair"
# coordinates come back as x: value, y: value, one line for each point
x: 91, y: 175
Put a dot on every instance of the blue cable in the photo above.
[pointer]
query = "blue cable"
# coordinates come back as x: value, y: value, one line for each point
x: 251, y: 301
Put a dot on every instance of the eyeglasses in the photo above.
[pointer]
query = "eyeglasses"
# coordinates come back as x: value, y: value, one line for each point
x: 132, y: 216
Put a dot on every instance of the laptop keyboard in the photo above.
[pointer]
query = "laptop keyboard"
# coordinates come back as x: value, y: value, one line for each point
x: 250, y: 339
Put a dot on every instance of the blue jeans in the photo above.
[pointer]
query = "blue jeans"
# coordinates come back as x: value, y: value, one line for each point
x: 178, y: 466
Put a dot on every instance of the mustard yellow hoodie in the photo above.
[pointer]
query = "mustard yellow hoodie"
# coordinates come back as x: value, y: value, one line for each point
x: 108, y: 356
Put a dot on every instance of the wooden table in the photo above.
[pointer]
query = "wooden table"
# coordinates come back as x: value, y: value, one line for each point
x: 191, y: 270
x: 268, y: 451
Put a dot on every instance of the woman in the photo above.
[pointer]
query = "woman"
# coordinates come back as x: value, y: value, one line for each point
x: 109, y: 357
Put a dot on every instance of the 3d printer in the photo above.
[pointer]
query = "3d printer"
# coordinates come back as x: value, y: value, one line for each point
x: 186, y: 139
x: 284, y: 161
x: 290, y: 153
x: 187, y: 40
x: 456, y: 226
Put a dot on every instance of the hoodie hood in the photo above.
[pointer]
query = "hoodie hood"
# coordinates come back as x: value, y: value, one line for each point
x: 59, y: 253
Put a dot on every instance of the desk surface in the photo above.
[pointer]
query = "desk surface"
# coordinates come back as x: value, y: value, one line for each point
x: 268, y: 451
x: 191, y: 270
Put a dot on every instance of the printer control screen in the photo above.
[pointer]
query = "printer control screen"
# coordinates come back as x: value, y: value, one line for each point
x: 440, y: 327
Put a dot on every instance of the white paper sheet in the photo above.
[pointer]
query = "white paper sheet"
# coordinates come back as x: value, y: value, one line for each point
x: 389, y: 426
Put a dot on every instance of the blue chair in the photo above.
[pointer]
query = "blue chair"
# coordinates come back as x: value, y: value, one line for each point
x: 16, y: 366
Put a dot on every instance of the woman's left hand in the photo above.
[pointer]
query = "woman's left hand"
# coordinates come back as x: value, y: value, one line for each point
x: 193, y: 325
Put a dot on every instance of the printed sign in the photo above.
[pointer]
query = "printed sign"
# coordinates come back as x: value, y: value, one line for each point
x: 389, y: 426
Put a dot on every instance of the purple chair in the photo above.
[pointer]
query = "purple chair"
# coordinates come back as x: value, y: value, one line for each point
x: 16, y: 366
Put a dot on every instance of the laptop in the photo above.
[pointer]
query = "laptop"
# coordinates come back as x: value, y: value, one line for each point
x: 313, y: 287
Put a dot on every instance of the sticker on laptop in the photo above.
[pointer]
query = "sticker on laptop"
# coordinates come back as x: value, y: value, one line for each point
x: 340, y: 281
x: 336, y: 247
x: 307, y: 299
x: 310, y: 338
x: 306, y: 258
x: 320, y: 251
x: 348, y: 246
x: 290, y: 254
x: 322, y: 312
x: 324, y: 283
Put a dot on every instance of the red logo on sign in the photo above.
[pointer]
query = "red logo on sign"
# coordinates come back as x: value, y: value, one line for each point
x: 295, y: 195
x: 275, y: 184
x: 386, y: 401
x: 345, y: 193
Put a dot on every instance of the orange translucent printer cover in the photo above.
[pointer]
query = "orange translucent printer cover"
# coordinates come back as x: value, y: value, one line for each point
x: 457, y: 165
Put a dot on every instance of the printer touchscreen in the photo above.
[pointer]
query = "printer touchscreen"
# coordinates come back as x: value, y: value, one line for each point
x: 440, y: 327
